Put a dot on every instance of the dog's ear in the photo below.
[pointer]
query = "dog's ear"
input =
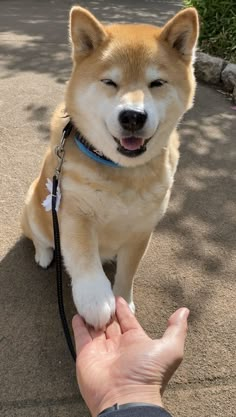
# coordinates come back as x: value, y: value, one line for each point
x: 86, y: 32
x: 181, y: 32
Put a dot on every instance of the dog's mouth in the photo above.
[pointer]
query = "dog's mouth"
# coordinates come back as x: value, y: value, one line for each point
x: 132, y: 146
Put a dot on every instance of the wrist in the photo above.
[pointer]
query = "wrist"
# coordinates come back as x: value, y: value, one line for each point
x: 130, y: 394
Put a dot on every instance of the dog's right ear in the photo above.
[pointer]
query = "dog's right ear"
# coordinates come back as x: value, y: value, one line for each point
x: 86, y: 32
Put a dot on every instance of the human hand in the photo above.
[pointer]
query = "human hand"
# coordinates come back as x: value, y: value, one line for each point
x: 122, y: 364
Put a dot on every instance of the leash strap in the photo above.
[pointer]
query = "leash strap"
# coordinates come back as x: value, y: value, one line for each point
x: 60, y: 153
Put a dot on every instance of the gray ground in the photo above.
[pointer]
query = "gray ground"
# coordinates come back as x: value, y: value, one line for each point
x: 191, y: 260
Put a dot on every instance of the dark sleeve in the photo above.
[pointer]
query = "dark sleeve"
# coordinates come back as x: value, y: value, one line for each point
x: 137, y: 411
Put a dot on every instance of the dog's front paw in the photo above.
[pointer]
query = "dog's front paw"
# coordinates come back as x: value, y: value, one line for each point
x: 44, y: 256
x: 94, y: 300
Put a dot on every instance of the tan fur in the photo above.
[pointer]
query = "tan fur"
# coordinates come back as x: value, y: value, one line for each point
x: 108, y: 211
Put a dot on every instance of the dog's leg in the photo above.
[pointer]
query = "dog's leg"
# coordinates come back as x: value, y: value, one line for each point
x: 43, y: 245
x: 43, y: 254
x: 92, y: 293
x: 128, y: 259
x: 36, y: 225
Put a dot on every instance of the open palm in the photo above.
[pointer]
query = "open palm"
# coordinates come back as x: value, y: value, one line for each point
x: 122, y: 364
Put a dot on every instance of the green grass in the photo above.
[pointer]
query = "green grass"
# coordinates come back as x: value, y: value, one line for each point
x: 218, y: 27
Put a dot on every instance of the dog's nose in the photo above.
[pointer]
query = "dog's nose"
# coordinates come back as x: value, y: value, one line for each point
x: 132, y: 120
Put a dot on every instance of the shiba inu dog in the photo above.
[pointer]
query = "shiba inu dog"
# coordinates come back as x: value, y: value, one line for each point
x: 130, y: 86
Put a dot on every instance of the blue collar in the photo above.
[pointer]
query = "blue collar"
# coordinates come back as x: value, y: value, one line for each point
x: 92, y: 153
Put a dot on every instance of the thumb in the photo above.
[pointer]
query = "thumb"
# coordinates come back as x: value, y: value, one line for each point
x: 81, y: 333
x: 176, y: 331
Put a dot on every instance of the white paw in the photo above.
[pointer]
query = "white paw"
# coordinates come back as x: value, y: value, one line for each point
x: 44, y: 256
x: 94, y: 300
x: 127, y: 295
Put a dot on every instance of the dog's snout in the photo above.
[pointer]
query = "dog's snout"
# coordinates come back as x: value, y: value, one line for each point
x: 132, y: 119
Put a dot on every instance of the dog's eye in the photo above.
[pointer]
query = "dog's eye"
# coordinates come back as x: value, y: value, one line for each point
x: 157, y: 83
x: 109, y: 82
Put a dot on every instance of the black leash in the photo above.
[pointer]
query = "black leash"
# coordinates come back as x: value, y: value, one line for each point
x: 60, y: 152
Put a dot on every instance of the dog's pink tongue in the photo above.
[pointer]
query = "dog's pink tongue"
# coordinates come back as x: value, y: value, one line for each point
x: 132, y: 143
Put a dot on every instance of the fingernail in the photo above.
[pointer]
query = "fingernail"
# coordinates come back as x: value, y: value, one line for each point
x: 121, y: 300
x: 184, y: 313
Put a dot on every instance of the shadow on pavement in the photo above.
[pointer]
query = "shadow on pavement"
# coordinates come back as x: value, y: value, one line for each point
x: 201, y: 213
x: 40, y: 45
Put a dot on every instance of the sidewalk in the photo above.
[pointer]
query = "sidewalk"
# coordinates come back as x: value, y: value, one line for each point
x: 191, y: 260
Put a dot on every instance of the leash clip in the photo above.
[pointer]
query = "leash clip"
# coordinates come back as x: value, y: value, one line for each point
x: 59, y: 149
x: 60, y: 155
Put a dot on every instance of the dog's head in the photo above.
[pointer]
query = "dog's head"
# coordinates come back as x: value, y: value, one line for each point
x: 130, y: 84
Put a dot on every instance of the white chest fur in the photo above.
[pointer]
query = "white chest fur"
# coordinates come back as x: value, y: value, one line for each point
x: 118, y: 209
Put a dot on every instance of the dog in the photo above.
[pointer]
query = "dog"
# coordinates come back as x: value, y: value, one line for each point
x: 130, y: 85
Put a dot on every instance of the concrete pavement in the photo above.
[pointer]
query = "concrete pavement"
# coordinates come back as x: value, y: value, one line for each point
x: 191, y: 260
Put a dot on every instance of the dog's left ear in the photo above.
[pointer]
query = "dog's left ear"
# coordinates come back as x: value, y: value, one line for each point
x: 181, y: 32
x: 86, y: 32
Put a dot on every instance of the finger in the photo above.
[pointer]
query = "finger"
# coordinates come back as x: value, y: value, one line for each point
x: 176, y: 331
x: 113, y: 329
x: 97, y: 334
x: 126, y: 318
x: 81, y: 333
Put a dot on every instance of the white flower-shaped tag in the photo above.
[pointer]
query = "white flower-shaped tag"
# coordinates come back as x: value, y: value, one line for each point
x: 47, y: 203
